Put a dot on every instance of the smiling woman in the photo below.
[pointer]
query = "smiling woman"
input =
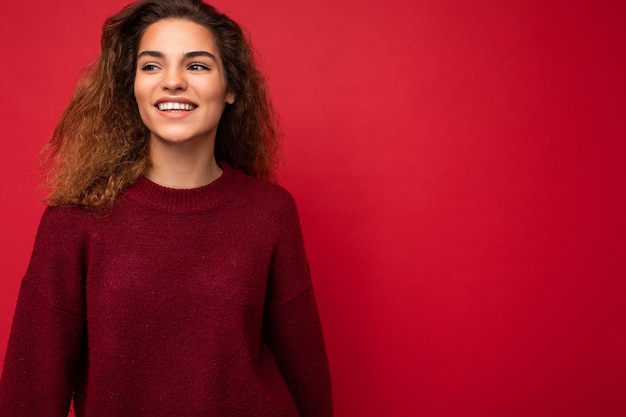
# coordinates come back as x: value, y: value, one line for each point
x: 92, y: 158
x: 168, y: 276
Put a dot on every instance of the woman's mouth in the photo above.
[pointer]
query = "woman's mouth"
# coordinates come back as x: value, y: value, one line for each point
x: 172, y: 106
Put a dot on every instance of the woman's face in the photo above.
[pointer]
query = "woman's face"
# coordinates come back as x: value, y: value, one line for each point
x: 180, y: 85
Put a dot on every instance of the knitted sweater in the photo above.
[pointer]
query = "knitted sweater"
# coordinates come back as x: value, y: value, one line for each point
x: 175, y: 303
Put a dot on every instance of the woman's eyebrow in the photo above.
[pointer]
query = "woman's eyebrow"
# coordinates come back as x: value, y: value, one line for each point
x: 154, y: 54
x: 187, y: 55
x: 195, y: 54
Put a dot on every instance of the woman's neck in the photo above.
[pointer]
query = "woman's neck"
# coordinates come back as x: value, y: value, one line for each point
x: 180, y: 165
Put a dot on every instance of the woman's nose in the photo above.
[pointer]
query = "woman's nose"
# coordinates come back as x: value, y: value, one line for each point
x: 174, y: 79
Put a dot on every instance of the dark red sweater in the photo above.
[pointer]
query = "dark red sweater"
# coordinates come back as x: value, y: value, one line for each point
x: 175, y: 303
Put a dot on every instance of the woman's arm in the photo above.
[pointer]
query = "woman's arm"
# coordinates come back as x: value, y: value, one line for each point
x: 44, y: 351
x: 292, y: 326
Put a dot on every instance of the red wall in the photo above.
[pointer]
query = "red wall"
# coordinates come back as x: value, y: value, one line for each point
x: 460, y: 168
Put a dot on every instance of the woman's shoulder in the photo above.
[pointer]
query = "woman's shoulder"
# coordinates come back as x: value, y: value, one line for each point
x: 66, y: 219
x: 266, y: 193
x: 69, y: 213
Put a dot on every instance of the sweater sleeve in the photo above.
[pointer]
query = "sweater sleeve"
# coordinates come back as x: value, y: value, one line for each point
x: 43, y: 354
x: 292, y: 324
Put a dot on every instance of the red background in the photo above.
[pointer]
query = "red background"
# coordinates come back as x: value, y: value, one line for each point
x: 460, y: 169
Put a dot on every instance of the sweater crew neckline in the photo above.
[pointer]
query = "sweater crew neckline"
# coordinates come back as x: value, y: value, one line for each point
x: 186, y: 200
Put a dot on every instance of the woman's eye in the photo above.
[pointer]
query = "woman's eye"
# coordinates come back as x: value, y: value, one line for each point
x: 149, y: 67
x: 198, y: 67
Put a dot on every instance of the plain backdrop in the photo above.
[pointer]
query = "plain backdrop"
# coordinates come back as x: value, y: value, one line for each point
x: 460, y: 170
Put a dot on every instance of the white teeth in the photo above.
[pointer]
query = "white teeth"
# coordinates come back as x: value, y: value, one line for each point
x: 175, y: 106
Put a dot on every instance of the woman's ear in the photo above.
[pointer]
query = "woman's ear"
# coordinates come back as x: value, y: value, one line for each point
x: 230, y: 98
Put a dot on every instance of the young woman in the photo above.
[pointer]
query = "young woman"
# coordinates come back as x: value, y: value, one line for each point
x: 168, y: 276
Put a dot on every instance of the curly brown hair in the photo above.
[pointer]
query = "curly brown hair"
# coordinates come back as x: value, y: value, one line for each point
x: 101, y: 145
